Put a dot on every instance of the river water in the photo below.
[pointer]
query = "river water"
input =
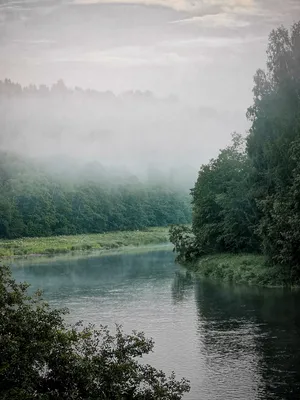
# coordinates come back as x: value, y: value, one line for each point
x: 231, y: 342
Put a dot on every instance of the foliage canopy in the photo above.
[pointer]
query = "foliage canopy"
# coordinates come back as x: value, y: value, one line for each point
x: 248, y: 198
x: 35, y: 202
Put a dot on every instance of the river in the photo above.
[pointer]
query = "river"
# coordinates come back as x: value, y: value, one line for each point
x: 231, y: 342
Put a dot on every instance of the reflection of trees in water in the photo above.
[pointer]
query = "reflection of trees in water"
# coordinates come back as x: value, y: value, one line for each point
x: 251, y: 335
x: 182, y: 284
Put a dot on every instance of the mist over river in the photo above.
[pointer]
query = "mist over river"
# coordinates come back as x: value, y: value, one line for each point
x: 232, y: 342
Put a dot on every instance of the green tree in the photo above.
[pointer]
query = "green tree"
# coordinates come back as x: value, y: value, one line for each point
x: 34, y: 202
x: 224, y: 211
x: 273, y: 147
x: 249, y: 199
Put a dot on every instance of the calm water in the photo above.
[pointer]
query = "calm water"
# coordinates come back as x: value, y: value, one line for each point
x: 232, y: 342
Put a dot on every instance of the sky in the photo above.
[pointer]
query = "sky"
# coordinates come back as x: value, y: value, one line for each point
x: 203, y: 51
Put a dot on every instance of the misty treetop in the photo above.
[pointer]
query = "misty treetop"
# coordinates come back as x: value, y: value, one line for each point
x: 273, y: 146
x: 9, y: 88
x: 135, y: 129
x: 46, y: 120
x: 248, y: 198
x: 35, y: 202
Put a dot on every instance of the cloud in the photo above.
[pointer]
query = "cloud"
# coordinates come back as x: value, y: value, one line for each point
x: 225, y: 20
x: 178, y: 5
x: 214, y: 41
x: 17, y: 4
x: 35, y: 42
x: 128, y: 56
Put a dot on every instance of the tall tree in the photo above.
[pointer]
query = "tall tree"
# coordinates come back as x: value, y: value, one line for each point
x: 224, y: 212
x: 273, y: 146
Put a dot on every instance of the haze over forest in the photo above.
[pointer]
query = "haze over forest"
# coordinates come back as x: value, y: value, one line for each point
x: 175, y: 77
x: 146, y: 134
x: 120, y: 121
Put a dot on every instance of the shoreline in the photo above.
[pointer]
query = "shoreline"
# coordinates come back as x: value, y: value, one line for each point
x: 101, y: 243
x: 23, y: 261
x: 249, y: 269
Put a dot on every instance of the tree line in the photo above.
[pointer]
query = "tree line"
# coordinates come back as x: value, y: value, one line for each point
x: 10, y: 89
x: 35, y: 202
x: 248, y: 198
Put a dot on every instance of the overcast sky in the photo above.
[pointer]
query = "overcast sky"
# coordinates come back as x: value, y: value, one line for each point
x: 204, y: 51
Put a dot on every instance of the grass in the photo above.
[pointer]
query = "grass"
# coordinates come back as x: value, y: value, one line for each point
x: 248, y: 269
x: 78, y: 243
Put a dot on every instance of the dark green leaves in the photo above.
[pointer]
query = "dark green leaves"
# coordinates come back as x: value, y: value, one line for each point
x: 248, y: 200
x: 34, y: 203
x: 224, y: 211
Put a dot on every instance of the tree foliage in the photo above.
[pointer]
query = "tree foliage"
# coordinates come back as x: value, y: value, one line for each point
x: 273, y: 147
x: 185, y: 243
x: 248, y: 198
x: 35, y: 202
x: 224, y: 212
x: 42, y: 358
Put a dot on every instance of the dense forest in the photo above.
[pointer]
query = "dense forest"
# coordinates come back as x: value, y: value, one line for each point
x: 248, y: 198
x: 36, y: 200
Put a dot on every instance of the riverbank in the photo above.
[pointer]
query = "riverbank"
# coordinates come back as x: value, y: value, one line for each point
x: 248, y: 269
x: 78, y: 243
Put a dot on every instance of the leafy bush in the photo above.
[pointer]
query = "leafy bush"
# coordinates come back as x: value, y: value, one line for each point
x: 185, y: 243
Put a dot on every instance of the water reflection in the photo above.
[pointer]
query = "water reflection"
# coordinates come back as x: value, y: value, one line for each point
x: 250, y: 338
x: 182, y: 285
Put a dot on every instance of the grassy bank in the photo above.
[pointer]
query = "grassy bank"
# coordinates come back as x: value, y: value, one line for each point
x: 66, y: 244
x: 243, y: 269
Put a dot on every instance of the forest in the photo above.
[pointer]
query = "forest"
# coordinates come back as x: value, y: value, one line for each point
x: 247, y: 200
x: 35, y: 200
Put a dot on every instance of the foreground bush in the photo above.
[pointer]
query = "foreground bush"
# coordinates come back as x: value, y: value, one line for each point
x: 42, y: 358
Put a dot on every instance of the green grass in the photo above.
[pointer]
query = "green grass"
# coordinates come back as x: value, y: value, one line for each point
x: 78, y: 243
x: 248, y: 269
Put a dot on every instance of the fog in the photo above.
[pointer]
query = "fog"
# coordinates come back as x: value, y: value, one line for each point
x: 135, y: 129
x: 169, y: 80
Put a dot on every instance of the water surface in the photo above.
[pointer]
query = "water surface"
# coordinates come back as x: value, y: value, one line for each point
x: 232, y: 342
